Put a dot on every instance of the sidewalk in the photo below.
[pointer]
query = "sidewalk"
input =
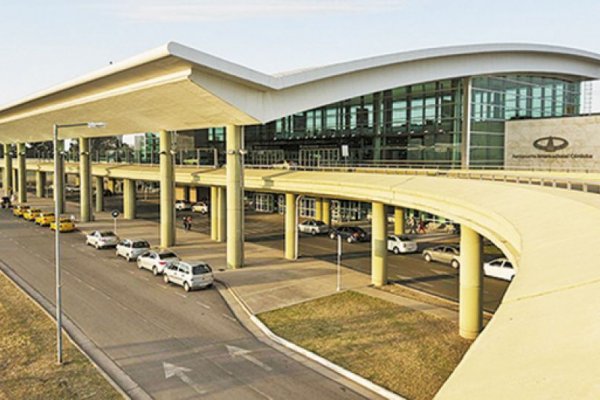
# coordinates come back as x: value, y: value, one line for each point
x: 267, y: 281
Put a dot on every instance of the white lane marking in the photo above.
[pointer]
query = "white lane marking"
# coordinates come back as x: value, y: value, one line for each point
x: 245, y: 354
x: 174, y: 370
x: 229, y: 317
x: 203, y: 305
x: 182, y: 295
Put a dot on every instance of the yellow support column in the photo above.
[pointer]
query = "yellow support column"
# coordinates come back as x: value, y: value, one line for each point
x: 235, y: 197
x: 129, y: 197
x: 471, y: 282
x: 378, y: 245
x: 214, y: 212
x: 167, y: 192
x: 290, y: 226
x: 85, y: 180
x: 21, y: 157
x: 221, y: 215
x: 40, y: 183
x: 398, y: 221
x: 99, y: 183
x: 319, y: 209
x: 327, y: 211
x: 7, y: 181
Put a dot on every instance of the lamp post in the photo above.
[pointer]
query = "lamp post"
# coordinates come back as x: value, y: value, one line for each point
x: 57, y: 158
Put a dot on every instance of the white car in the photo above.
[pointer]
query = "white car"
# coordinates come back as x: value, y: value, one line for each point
x: 102, y: 239
x: 401, y: 244
x: 131, y: 249
x: 499, y: 268
x: 156, y: 261
x: 200, y: 207
x: 313, y: 227
x: 189, y: 274
x: 183, y: 205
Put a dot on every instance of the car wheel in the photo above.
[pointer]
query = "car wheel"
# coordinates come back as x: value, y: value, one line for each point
x: 455, y: 264
x: 314, y: 233
x: 396, y: 251
x: 332, y: 236
x: 166, y: 279
x: 186, y: 287
x: 155, y: 271
x: 427, y: 257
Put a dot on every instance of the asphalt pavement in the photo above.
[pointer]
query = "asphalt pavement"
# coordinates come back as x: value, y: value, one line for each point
x: 175, y: 345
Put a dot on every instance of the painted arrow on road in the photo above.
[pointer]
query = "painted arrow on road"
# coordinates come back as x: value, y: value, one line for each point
x: 173, y: 370
x: 245, y: 354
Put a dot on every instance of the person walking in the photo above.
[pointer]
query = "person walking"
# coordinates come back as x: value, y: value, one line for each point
x: 185, y: 223
x: 421, y: 226
x: 189, y: 223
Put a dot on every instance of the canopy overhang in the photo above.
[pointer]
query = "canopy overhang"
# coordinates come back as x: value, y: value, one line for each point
x: 176, y: 88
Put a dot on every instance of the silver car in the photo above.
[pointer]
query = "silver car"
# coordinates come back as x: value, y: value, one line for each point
x: 444, y: 254
x: 313, y: 227
x: 131, y: 249
x: 156, y: 261
x: 189, y: 274
x: 102, y: 239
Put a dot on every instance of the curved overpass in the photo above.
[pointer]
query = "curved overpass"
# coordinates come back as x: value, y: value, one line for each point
x: 544, y: 338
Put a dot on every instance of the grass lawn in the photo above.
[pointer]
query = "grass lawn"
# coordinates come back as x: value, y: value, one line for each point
x: 406, y: 351
x: 28, y: 367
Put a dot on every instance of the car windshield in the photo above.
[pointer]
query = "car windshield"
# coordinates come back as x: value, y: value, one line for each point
x: 168, y: 255
x: 404, y: 238
x: 200, y: 269
x: 107, y: 233
x: 320, y: 223
x: 140, y: 245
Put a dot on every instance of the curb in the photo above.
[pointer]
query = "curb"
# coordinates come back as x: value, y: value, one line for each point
x: 115, y: 376
x: 357, y: 379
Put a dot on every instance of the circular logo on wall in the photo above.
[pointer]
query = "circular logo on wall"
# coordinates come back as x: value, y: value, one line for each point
x: 550, y: 144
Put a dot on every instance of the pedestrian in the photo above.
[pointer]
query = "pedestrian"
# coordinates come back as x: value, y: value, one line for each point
x: 412, y: 225
x: 185, y: 223
x: 189, y: 223
x: 421, y: 226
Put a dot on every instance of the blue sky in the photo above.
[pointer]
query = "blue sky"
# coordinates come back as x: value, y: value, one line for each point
x: 48, y: 42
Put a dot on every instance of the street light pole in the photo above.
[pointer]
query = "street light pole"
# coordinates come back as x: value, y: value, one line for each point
x: 58, y: 158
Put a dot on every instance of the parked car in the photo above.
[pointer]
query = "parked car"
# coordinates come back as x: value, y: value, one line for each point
x: 189, y: 274
x: 183, y: 205
x: 285, y: 164
x: 131, y: 249
x: 156, y: 261
x: 102, y: 239
x: 19, y: 210
x: 313, y: 227
x: 64, y: 225
x: 45, y: 218
x: 349, y: 233
x: 71, y: 189
x: 444, y: 254
x: 31, y: 214
x: 499, y: 268
x: 200, y: 207
x: 401, y: 244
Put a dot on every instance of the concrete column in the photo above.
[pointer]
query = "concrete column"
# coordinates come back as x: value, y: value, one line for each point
x: 319, y: 209
x: 59, y: 178
x: 327, y: 211
x: 290, y: 226
x: 7, y: 180
x: 378, y: 245
x: 398, y: 221
x: 129, y: 197
x: 471, y: 284
x: 167, y: 192
x: 186, y: 193
x: 15, y: 179
x: 85, y: 181
x: 99, y: 183
x: 40, y: 183
x: 221, y: 215
x: 21, y: 157
x: 235, y: 197
x: 214, y: 212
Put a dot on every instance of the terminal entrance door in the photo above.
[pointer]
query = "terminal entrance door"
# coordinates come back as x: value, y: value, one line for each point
x: 315, y: 157
x: 348, y: 211
x: 264, y: 203
x: 266, y: 157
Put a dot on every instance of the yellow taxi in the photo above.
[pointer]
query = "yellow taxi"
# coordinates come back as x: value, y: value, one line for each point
x: 31, y: 214
x: 66, y: 225
x: 19, y: 210
x: 45, y: 219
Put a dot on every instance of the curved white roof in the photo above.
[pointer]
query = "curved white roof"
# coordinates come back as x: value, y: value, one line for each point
x: 176, y: 87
